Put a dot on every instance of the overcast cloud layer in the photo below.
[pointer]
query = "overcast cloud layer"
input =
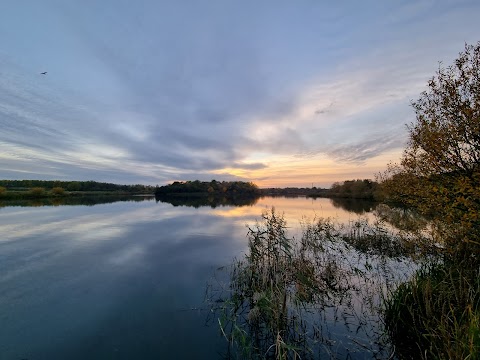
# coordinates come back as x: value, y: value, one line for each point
x: 155, y: 91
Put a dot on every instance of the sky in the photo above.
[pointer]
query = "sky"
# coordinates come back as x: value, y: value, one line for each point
x: 282, y: 93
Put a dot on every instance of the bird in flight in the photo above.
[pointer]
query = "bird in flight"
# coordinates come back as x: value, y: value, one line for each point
x: 44, y: 73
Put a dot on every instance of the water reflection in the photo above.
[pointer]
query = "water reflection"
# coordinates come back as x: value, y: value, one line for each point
x: 127, y: 279
x: 75, y: 200
x: 111, y: 281
x: 318, y: 296
x: 356, y: 206
x: 294, y: 210
x: 211, y: 201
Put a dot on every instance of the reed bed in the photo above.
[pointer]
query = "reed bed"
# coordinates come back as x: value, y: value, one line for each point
x: 436, y: 315
x: 318, y: 296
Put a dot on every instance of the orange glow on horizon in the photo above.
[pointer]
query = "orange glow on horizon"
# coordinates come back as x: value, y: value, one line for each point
x: 319, y: 171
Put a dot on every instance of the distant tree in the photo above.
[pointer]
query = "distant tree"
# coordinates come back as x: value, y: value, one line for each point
x: 58, y: 191
x: 74, y: 186
x: 37, y: 191
x: 229, y: 189
x: 3, y: 190
x: 355, y: 189
x: 439, y: 172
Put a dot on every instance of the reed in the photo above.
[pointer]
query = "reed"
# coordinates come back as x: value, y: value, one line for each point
x: 400, y: 294
x: 436, y: 315
x: 282, y: 300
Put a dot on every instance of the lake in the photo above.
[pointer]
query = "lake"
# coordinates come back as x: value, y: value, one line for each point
x: 127, y: 280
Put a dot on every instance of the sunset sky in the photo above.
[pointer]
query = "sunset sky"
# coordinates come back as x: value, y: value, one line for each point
x: 281, y: 93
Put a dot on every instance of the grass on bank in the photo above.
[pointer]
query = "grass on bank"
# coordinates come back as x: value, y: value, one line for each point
x: 282, y: 284
x: 436, y: 315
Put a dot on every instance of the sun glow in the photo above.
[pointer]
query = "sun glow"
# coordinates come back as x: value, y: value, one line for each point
x: 307, y: 171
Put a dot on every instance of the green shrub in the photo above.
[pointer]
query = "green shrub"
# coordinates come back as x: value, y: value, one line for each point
x: 58, y: 191
x: 37, y: 191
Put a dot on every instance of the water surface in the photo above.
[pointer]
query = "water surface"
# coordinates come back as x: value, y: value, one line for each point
x: 123, y: 280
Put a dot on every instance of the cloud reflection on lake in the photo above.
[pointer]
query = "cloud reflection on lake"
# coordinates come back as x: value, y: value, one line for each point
x: 117, y: 280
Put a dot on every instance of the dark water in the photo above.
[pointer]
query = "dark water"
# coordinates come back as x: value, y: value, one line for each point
x: 123, y: 280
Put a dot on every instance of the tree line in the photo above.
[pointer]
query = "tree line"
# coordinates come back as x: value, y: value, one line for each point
x: 21, y: 185
x: 355, y: 189
x: 212, y: 188
x: 437, y: 313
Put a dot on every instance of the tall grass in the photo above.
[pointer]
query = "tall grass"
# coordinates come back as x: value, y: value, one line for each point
x: 318, y: 296
x: 355, y: 290
x: 436, y: 315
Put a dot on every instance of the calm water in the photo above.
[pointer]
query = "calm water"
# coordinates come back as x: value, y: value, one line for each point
x: 124, y: 280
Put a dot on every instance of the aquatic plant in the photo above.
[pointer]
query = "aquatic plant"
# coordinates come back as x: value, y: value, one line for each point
x: 290, y: 298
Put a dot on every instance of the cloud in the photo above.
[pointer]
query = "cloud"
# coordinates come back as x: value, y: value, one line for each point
x: 367, y: 149
x: 138, y: 98
x: 252, y: 166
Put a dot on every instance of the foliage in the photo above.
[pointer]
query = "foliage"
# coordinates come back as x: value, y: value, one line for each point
x: 355, y: 189
x: 446, y: 136
x: 439, y: 172
x: 58, y: 191
x: 295, y: 191
x: 436, y: 315
x: 37, y: 192
x: 3, y: 190
x: 224, y: 188
x: 21, y: 185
